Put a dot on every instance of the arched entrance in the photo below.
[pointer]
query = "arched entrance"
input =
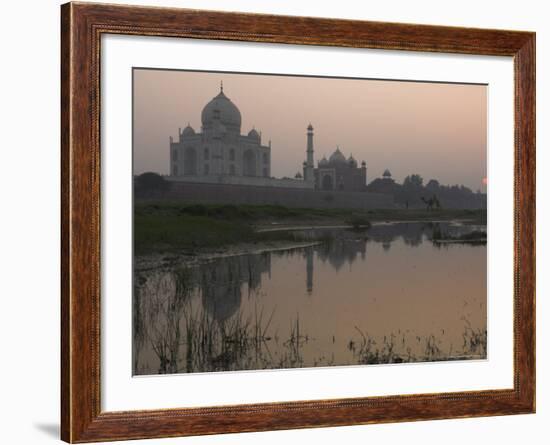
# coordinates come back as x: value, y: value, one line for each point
x: 327, y: 183
x: 190, y: 161
x: 249, y: 163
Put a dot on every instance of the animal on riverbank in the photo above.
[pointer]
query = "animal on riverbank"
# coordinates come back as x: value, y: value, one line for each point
x: 432, y: 203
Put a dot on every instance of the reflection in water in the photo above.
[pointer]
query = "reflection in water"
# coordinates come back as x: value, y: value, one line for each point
x: 309, y: 269
x: 384, y: 296
x: 221, y: 282
x: 340, y: 251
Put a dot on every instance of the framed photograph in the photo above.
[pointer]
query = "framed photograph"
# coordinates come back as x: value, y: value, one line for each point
x: 275, y: 222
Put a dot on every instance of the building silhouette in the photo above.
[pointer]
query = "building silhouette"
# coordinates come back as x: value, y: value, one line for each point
x: 340, y: 174
x: 220, y: 154
x: 220, y: 148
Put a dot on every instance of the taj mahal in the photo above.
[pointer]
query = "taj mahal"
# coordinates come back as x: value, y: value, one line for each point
x: 220, y: 154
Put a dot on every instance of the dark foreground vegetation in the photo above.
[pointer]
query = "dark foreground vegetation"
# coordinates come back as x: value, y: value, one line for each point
x: 165, y: 226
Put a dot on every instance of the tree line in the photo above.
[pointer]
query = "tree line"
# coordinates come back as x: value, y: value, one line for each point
x: 414, y: 193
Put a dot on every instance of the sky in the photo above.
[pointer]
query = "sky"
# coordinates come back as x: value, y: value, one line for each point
x: 436, y: 130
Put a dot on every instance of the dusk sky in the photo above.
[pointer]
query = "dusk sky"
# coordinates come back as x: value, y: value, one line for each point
x: 436, y: 130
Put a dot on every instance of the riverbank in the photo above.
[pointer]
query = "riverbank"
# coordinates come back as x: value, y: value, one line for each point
x: 154, y: 260
x: 192, y: 229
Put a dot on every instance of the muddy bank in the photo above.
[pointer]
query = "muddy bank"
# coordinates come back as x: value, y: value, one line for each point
x: 306, y: 225
x: 188, y: 259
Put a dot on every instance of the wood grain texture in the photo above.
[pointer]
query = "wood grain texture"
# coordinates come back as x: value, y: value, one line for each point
x: 81, y: 28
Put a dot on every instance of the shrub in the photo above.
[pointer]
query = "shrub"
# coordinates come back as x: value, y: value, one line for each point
x: 151, y: 182
x: 359, y: 223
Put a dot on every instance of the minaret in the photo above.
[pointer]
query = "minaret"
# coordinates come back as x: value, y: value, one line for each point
x: 308, y: 165
x: 363, y: 174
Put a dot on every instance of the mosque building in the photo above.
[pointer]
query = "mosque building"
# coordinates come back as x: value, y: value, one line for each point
x: 220, y: 154
x: 340, y: 174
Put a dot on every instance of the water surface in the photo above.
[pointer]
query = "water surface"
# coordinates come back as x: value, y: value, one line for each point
x: 387, y: 295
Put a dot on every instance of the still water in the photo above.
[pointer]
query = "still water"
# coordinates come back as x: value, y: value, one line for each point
x: 388, y: 295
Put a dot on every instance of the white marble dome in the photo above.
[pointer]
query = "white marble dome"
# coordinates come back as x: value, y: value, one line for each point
x: 222, y: 109
x: 219, y: 149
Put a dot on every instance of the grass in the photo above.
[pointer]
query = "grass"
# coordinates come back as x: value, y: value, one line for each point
x: 166, y: 226
x: 187, y: 339
x: 169, y: 232
x: 184, y: 336
x: 396, y: 348
x: 255, y: 213
x: 218, y: 211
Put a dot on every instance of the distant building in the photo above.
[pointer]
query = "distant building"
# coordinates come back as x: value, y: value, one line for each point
x: 385, y: 184
x: 220, y: 154
x: 220, y: 149
x: 340, y: 174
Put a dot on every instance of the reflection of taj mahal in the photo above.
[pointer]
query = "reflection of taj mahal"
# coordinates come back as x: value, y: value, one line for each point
x: 222, y: 281
x: 220, y: 154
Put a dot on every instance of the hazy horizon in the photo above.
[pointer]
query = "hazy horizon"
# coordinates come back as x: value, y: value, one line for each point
x: 437, y: 130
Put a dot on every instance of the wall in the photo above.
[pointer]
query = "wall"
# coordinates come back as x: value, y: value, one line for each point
x: 29, y: 320
x: 245, y: 180
x: 289, y: 197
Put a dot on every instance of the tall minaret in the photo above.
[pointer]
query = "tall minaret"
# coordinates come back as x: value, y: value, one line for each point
x: 308, y: 165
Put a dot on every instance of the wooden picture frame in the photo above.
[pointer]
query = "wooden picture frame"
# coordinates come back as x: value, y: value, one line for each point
x: 82, y: 25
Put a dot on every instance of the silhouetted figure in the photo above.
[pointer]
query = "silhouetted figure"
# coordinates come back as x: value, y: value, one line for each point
x: 432, y: 203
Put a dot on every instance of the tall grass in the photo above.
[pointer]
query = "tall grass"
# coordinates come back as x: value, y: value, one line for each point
x: 184, y: 335
x: 396, y: 348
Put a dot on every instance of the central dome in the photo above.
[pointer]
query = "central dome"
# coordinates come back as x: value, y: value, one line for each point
x: 337, y: 157
x: 222, y: 109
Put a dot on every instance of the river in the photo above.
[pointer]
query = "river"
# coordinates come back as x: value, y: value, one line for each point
x: 387, y: 295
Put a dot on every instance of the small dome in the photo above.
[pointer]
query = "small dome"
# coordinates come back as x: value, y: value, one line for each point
x: 337, y: 157
x: 221, y: 109
x: 254, y: 134
x: 323, y: 162
x: 386, y: 174
x: 298, y: 175
x: 188, y: 131
x: 352, y: 161
x: 310, y: 127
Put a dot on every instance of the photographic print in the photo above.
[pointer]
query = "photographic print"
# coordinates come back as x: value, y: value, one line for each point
x: 286, y: 221
x: 300, y: 243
